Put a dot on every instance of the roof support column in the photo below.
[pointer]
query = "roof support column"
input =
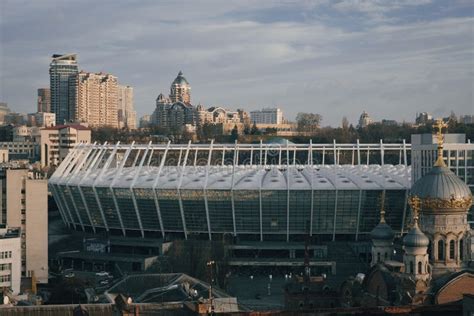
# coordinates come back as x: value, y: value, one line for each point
x: 382, y: 153
x: 288, y: 192
x: 312, y: 188
x: 358, y: 152
x: 155, y: 195
x: 405, y: 153
x: 358, y: 215
x: 208, y: 219
x: 404, y: 213
x: 181, y: 208
x: 335, y: 214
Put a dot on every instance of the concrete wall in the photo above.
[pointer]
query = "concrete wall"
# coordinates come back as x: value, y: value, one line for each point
x: 13, y: 245
x: 37, y: 229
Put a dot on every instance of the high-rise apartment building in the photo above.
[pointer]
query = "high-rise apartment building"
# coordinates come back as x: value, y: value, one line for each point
x: 127, y: 117
x: 44, y: 100
x: 25, y: 202
x: 97, y: 99
x: 267, y: 116
x: 176, y: 111
x: 63, y: 72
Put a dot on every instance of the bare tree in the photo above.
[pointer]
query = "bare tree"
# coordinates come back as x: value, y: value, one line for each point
x: 308, y: 122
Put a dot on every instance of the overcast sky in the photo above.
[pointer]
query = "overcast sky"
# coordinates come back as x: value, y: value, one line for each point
x: 391, y: 58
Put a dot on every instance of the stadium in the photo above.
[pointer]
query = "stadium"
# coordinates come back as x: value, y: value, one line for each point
x: 261, y: 192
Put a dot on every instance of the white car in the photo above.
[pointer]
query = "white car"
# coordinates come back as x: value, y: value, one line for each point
x: 102, y: 274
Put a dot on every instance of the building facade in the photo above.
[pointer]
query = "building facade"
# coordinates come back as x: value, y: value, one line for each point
x: 10, y: 259
x: 267, y: 116
x: 176, y: 111
x: 26, y: 205
x: 63, y: 72
x: 364, y: 120
x: 57, y: 141
x: 4, y: 109
x: 42, y: 119
x: 180, y: 90
x: 97, y: 99
x: 458, y: 156
x: 44, y: 100
x: 127, y: 117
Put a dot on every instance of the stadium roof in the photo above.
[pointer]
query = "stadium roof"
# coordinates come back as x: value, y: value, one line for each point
x: 248, y: 177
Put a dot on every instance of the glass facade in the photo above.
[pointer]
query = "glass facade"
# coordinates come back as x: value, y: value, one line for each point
x: 266, y: 212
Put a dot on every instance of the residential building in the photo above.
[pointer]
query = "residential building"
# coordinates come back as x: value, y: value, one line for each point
x: 57, y: 141
x: 25, y: 202
x: 176, y: 111
x: 364, y: 120
x: 14, y: 118
x: 63, y: 72
x: 180, y: 89
x: 44, y: 100
x: 4, y: 109
x: 145, y: 121
x: 42, y: 119
x: 267, y: 116
x: 423, y: 118
x: 23, y: 150
x: 97, y: 99
x: 127, y: 117
x: 10, y: 259
x: 466, y: 119
x: 458, y: 155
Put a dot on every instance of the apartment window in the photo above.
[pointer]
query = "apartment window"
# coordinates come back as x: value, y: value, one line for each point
x: 5, y: 266
x: 5, y: 254
x: 5, y: 278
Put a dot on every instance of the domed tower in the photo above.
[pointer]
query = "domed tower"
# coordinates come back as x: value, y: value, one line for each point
x: 415, y: 246
x: 180, y: 89
x: 445, y: 201
x: 382, y: 238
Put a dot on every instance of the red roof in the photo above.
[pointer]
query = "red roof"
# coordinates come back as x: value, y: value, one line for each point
x: 75, y: 126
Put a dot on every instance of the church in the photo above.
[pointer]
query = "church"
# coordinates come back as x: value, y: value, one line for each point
x: 434, y: 265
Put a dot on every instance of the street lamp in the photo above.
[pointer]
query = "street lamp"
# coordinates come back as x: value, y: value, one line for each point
x: 211, y: 307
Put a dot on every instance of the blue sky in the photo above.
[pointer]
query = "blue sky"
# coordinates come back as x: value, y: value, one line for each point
x: 337, y: 58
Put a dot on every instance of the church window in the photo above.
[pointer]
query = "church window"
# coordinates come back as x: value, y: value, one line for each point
x: 419, y: 267
x: 386, y: 256
x: 378, y: 256
x: 451, y: 249
x: 461, y: 249
x: 440, y: 250
x: 411, y: 267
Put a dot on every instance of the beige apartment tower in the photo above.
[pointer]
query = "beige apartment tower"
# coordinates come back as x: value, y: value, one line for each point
x: 26, y: 200
x: 127, y: 117
x: 97, y: 99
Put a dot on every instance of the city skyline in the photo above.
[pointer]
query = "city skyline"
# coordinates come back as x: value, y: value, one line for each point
x: 390, y: 59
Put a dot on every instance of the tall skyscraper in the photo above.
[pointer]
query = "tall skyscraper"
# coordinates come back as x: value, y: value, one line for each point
x: 127, y: 116
x: 97, y: 99
x: 63, y: 72
x: 44, y: 100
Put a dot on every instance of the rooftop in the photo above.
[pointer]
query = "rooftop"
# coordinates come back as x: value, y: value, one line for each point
x: 249, y: 177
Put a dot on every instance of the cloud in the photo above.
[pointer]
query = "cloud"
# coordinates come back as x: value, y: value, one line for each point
x: 302, y: 56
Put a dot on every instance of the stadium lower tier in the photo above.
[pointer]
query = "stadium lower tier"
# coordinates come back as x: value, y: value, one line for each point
x: 254, y: 214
